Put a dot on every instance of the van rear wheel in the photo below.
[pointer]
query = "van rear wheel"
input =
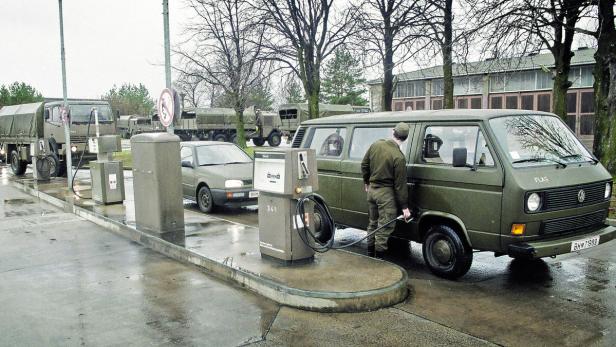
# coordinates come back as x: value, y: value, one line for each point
x: 17, y: 165
x: 445, y: 253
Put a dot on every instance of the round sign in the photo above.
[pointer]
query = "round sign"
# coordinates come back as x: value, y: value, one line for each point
x: 166, y: 107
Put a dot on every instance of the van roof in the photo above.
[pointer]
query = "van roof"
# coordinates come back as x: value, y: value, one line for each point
x: 429, y: 115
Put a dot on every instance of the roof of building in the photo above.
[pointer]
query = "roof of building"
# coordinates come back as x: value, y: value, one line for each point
x: 582, y: 56
x: 427, y: 115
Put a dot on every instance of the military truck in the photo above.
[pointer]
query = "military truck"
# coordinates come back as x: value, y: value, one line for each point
x: 23, y: 128
x: 291, y: 115
x: 130, y: 125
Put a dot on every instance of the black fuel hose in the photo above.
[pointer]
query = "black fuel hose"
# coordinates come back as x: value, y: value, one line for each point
x: 87, y: 147
x: 323, y: 240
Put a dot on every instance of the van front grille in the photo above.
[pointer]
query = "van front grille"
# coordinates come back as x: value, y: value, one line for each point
x: 299, y: 136
x: 563, y: 198
x: 568, y: 224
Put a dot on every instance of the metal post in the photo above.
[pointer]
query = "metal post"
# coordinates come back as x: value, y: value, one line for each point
x: 67, y: 129
x: 170, y: 128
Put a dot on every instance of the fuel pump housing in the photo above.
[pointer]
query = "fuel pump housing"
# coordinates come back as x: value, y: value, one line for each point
x: 282, y: 176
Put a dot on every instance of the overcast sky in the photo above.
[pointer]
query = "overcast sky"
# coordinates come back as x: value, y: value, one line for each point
x: 107, y: 42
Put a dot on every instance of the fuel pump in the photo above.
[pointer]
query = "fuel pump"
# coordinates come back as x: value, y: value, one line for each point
x: 282, y: 177
x: 107, y: 175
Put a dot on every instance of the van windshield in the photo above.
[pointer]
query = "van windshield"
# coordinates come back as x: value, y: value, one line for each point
x: 81, y: 113
x: 538, y: 140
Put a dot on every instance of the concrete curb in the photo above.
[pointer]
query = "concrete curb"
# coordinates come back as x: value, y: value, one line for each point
x: 611, y: 222
x: 303, y: 299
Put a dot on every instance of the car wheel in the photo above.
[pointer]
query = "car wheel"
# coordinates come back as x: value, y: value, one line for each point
x: 220, y: 137
x: 205, y: 200
x: 258, y: 141
x: 18, y: 166
x: 274, y: 139
x: 445, y: 253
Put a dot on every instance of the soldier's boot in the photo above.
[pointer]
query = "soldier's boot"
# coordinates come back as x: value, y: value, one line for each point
x: 371, y: 251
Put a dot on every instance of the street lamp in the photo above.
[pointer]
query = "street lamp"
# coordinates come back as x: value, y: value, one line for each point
x: 65, y: 112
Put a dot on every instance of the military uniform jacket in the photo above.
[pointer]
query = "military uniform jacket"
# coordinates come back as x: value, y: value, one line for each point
x: 384, y: 165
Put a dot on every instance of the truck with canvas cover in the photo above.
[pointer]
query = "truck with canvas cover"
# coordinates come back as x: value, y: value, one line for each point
x: 220, y: 124
x: 27, y: 127
x: 130, y: 125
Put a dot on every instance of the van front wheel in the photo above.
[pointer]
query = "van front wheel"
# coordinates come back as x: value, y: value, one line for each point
x: 445, y: 253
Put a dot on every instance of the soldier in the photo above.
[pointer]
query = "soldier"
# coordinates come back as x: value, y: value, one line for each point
x: 384, y: 172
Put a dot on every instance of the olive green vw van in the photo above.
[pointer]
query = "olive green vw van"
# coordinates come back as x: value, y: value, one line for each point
x: 516, y: 183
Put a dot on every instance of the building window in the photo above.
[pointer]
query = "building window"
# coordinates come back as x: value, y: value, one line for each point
x: 497, y: 83
x: 420, y: 88
x: 572, y: 102
x: 528, y: 102
x: 437, y: 104
x: 398, y: 106
x: 511, y: 102
x: 544, y: 80
x: 476, y: 103
x: 587, y: 124
x: 543, y: 102
x: 587, y: 79
x: 408, y: 106
x: 496, y: 102
x: 587, y: 103
x: 571, y: 118
x: 437, y: 87
x: 463, y: 103
x: 420, y: 105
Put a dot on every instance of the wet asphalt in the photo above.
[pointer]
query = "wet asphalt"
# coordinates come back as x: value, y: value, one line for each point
x: 65, y: 281
x: 569, y: 300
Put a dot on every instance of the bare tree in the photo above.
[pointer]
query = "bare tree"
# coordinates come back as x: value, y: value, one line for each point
x: 303, y: 36
x: 522, y: 26
x: 604, y: 146
x: 225, y: 50
x: 192, y: 89
x: 386, y: 31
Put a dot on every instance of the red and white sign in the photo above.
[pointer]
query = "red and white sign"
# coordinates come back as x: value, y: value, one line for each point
x: 166, y: 107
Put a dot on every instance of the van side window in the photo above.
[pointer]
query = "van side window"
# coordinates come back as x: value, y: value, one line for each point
x: 483, y: 157
x: 363, y: 138
x: 186, y: 154
x: 328, y: 142
x: 440, y: 141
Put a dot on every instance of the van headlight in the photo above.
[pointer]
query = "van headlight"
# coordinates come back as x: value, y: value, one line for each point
x: 233, y: 184
x: 73, y: 149
x: 533, y: 202
x: 608, y: 190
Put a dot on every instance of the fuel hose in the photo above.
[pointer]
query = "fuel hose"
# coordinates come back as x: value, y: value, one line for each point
x: 323, y: 239
x: 81, y: 157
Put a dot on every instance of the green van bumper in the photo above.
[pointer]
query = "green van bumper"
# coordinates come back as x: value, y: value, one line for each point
x: 548, y: 248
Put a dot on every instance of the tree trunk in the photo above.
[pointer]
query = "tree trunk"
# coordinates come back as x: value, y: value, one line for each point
x: 604, y: 146
x: 240, y: 138
x: 387, y: 89
x: 447, y: 59
x: 562, y: 65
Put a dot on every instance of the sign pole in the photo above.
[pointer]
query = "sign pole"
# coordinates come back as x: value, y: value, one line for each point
x: 66, y: 120
x: 170, y: 128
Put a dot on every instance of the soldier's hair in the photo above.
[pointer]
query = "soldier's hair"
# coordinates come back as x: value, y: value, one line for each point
x: 401, y: 138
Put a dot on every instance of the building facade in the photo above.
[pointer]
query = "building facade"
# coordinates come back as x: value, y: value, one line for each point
x: 524, y: 83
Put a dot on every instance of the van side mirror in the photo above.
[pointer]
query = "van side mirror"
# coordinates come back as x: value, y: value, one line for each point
x: 46, y: 114
x: 459, y: 157
x: 187, y: 163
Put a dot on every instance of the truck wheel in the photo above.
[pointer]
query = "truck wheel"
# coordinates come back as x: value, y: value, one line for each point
x: 445, y: 253
x: 258, y: 141
x: 55, y: 169
x: 220, y: 137
x: 274, y: 139
x: 18, y: 166
x: 233, y: 138
x: 205, y: 200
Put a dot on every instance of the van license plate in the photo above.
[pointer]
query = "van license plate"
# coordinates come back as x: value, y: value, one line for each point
x: 585, y: 243
x: 253, y: 194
